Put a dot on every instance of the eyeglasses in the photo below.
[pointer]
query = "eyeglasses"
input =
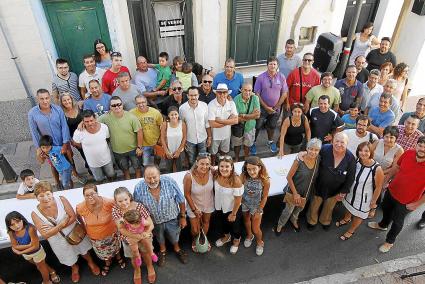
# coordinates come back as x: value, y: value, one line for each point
x: 205, y: 82
x: 116, y: 53
x: 308, y: 60
x: 91, y: 195
x: 116, y: 105
x: 177, y: 89
x: 225, y: 158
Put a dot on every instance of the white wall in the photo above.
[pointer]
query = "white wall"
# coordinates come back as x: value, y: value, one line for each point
x: 386, y: 17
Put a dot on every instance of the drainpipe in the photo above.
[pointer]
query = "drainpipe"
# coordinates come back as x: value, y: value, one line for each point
x: 18, y: 68
x: 350, y: 36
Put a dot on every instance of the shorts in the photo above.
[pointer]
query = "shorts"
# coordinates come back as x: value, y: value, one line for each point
x: 127, y: 250
x: 123, y: 160
x: 107, y: 170
x: 267, y: 120
x: 148, y: 156
x: 171, y: 228
x: 37, y: 256
x: 222, y: 145
x: 247, y: 139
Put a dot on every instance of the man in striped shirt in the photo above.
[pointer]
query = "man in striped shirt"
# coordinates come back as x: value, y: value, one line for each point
x: 65, y: 82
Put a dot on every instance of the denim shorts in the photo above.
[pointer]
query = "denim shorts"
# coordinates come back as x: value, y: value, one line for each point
x: 267, y: 120
x: 171, y: 228
x: 193, y: 150
x: 107, y: 170
x: 65, y: 177
x: 123, y: 160
x: 148, y: 156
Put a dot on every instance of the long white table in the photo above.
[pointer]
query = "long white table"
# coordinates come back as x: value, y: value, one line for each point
x: 277, y: 169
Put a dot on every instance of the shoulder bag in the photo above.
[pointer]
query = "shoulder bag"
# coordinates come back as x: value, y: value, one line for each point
x: 238, y: 130
x: 289, y: 197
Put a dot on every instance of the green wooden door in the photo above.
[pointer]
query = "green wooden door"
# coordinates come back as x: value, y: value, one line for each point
x: 253, y: 30
x: 75, y: 25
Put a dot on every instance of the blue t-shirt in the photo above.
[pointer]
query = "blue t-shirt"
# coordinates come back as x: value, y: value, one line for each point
x: 58, y: 159
x: 235, y: 84
x: 349, y: 122
x: 381, y: 119
x: 100, y: 106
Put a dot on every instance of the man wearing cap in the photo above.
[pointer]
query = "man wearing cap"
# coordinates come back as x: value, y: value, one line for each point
x: 222, y: 114
x: 230, y: 77
x: 272, y: 91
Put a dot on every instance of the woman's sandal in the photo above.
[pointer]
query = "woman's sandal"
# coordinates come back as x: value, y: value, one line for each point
x: 54, y: 277
x: 276, y: 232
x: 75, y: 277
x: 345, y: 237
x: 342, y: 223
x: 151, y: 278
x: 121, y: 262
x: 296, y: 229
x: 95, y: 270
x: 105, y: 270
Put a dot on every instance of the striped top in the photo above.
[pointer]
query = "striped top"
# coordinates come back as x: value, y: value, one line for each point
x: 71, y: 85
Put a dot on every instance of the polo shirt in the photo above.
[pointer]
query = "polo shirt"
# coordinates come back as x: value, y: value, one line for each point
x: 234, y: 84
x: 374, y: 102
x: 145, y: 81
x: 348, y: 93
x: 381, y: 119
x: 314, y: 94
x: 369, y: 93
x: 196, y: 120
x: 293, y: 81
x: 286, y: 65
x: 85, y: 78
x: 405, y: 141
x: 408, y: 185
x: 421, y: 126
x: 323, y: 124
x: 109, y: 80
x: 270, y: 89
x: 70, y: 86
x: 216, y: 110
x: 375, y: 59
x: 98, y: 106
x: 204, y: 97
x: 242, y: 108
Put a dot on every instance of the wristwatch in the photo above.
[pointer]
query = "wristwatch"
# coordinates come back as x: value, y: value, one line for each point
x: 140, y: 147
x: 182, y: 215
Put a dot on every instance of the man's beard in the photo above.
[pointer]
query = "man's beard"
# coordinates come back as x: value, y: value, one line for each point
x: 153, y: 186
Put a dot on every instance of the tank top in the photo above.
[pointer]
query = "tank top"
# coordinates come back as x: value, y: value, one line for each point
x: 25, y: 239
x: 302, y: 178
x: 174, y: 136
x: 203, y: 195
x: 73, y: 122
x: 294, y: 135
x: 385, y: 160
x: 360, y: 47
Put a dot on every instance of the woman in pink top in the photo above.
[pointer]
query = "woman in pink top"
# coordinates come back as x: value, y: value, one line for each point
x: 198, y: 190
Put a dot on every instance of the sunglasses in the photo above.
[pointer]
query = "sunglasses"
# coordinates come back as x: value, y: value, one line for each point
x: 299, y: 104
x: 177, y: 89
x: 116, y: 53
x: 116, y: 105
x: 308, y: 60
x: 225, y: 158
x: 203, y: 155
x: 205, y: 82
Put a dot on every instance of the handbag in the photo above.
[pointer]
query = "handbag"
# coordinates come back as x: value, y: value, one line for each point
x: 74, y: 237
x: 202, y: 244
x: 289, y: 197
x: 238, y: 130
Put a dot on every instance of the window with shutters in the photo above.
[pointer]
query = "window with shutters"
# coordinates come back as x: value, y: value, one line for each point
x: 253, y: 30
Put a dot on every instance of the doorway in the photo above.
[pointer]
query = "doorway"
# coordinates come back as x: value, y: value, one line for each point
x: 367, y: 14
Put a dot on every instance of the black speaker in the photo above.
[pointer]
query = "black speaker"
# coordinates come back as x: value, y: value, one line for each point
x: 327, y: 51
x: 419, y: 7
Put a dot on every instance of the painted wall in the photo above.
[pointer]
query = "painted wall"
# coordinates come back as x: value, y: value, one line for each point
x: 386, y: 17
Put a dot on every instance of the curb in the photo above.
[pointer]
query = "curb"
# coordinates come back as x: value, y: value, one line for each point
x: 374, y: 270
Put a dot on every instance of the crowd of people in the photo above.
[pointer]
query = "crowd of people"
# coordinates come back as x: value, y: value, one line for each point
x: 349, y: 149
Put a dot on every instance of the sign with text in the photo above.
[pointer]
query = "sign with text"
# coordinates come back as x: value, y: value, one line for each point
x: 171, y: 28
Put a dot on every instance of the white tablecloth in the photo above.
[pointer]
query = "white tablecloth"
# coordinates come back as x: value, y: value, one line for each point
x: 277, y: 169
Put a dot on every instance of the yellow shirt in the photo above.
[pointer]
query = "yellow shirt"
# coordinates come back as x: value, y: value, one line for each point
x: 151, y: 122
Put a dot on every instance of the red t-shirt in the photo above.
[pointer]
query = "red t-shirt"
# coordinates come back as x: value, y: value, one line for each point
x: 293, y: 82
x: 408, y: 184
x: 109, y: 80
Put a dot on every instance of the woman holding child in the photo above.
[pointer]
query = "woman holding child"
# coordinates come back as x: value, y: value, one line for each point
x: 124, y: 203
x: 96, y: 214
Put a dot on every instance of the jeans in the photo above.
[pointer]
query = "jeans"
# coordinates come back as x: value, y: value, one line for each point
x: 107, y: 170
x: 395, y: 212
x: 232, y: 228
x: 65, y: 177
x: 169, y: 164
x: 193, y: 150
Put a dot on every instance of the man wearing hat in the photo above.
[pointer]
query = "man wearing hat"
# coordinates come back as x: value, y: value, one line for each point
x: 222, y: 114
x: 272, y: 90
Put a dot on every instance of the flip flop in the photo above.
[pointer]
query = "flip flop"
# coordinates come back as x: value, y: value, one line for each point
x: 95, y: 270
x: 54, y: 277
x: 342, y: 223
x: 75, y: 277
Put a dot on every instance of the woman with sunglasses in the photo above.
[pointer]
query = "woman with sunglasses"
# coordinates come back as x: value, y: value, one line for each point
x: 199, y: 193
x: 256, y: 183
x: 228, y: 196
x: 364, y: 192
x: 101, y: 55
x: 173, y: 139
x: 294, y: 129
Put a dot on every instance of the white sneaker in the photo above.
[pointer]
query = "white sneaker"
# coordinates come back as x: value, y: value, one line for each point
x: 375, y: 225
x: 247, y: 242
x: 234, y: 249
x: 259, y: 250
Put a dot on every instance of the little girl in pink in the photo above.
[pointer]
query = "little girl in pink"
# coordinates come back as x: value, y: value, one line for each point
x: 136, y: 225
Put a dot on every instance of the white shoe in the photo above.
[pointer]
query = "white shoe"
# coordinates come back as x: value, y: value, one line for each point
x: 234, y: 249
x: 247, y: 242
x: 220, y: 243
x: 259, y: 250
x: 375, y: 225
x: 385, y: 247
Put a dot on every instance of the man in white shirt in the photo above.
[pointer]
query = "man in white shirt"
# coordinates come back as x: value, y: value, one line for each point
x: 92, y: 139
x: 360, y: 134
x: 195, y: 114
x: 91, y: 72
x: 222, y: 114
x: 371, y: 88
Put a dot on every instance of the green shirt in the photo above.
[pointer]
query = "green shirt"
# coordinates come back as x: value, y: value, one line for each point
x: 164, y: 73
x: 151, y: 122
x: 241, y: 107
x: 317, y: 91
x: 123, y: 131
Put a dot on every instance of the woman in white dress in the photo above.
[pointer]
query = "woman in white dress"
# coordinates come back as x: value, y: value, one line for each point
x: 364, y: 42
x: 54, y: 215
x: 364, y: 192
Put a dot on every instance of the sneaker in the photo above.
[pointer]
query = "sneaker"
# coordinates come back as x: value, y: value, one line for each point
x: 384, y: 248
x: 273, y: 147
x: 253, y: 150
x: 375, y: 225
x: 247, y: 242
x: 259, y: 250
x: 234, y: 248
